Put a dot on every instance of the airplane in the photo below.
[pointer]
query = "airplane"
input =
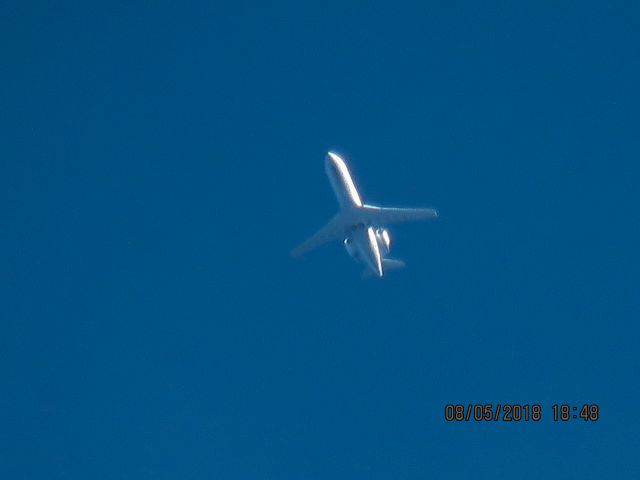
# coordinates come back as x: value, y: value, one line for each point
x: 358, y: 225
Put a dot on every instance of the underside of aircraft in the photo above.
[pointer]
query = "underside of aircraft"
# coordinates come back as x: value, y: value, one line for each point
x: 359, y: 226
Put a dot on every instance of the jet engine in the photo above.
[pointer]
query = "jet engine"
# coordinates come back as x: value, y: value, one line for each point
x: 348, y: 244
x: 384, y: 240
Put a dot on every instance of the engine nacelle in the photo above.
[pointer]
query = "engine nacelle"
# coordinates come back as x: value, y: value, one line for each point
x: 384, y: 240
x: 348, y: 244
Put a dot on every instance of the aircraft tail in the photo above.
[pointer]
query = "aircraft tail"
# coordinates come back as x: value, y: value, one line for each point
x: 387, y: 264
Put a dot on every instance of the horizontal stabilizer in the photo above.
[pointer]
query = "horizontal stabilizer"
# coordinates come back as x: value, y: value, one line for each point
x: 392, y: 264
x: 387, y: 265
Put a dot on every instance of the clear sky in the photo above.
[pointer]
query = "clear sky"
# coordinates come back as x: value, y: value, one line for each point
x: 158, y: 161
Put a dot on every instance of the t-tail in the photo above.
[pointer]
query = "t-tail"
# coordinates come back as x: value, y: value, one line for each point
x: 388, y: 264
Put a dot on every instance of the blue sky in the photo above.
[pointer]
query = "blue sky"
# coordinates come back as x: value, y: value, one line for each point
x: 159, y: 160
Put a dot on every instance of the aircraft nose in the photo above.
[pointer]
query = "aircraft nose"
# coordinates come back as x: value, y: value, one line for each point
x: 333, y: 158
x: 331, y: 163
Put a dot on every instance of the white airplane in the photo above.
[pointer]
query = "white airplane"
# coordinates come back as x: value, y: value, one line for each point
x: 359, y: 225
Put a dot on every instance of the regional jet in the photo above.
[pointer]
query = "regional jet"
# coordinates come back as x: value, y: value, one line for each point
x: 358, y: 225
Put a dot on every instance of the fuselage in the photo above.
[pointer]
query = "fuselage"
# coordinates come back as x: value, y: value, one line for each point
x: 341, y: 182
x: 363, y: 242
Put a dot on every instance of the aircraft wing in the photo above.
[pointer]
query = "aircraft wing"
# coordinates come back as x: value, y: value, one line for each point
x: 381, y: 215
x: 334, y: 230
x: 338, y: 226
